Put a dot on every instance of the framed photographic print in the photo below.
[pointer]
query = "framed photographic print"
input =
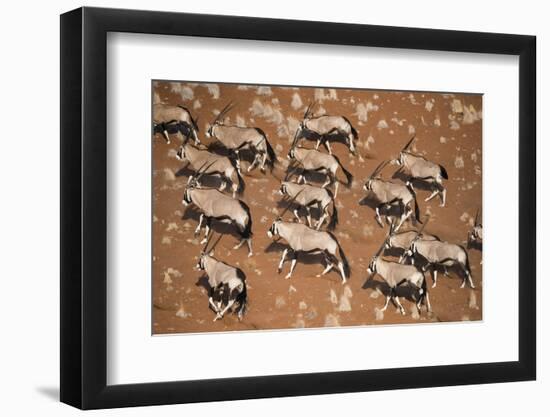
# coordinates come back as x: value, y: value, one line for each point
x: 257, y: 208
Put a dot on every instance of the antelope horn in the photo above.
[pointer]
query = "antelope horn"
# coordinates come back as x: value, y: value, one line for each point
x: 222, y: 113
x: 308, y: 108
x: 477, y: 218
x: 379, y: 168
x: 379, y: 251
x: 201, y: 171
x: 419, y: 232
x: 406, y: 147
x: 215, y: 243
x: 207, y: 242
x: 289, y: 204
x: 295, y: 140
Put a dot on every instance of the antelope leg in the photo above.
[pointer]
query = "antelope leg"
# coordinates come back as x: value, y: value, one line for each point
x: 378, y: 218
x: 432, y: 195
x: 165, y: 134
x: 248, y: 243
x: 295, y: 211
x: 326, y: 270
x: 428, y: 305
x: 198, y: 229
x: 341, y: 268
x: 434, y: 275
x: 399, y: 305
x: 254, y: 162
x: 387, y: 302
x: 205, y: 239
x: 264, y: 158
x: 292, y: 266
x: 327, y: 145
x: 211, y: 302
x: 443, y: 197
x: 327, y: 182
x: 328, y: 267
x: 308, y: 217
x: 282, y: 261
x: 470, y: 281
x: 321, y: 221
x: 227, y: 307
x: 318, y: 143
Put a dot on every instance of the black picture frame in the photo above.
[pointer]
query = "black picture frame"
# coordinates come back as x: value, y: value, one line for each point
x: 84, y: 207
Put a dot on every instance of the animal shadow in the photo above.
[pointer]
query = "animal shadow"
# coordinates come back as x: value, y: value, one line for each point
x: 402, y: 291
x: 191, y: 213
x: 418, y: 184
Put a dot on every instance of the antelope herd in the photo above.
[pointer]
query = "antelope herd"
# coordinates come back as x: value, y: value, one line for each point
x: 394, y: 199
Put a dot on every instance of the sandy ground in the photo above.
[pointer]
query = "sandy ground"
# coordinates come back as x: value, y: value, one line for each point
x: 385, y: 121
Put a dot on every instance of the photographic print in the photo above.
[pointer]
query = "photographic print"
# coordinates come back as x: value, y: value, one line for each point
x: 288, y: 207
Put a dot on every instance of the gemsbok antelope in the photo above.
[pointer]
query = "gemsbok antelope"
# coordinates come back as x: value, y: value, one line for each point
x: 303, y: 239
x: 165, y: 117
x: 419, y: 168
x: 308, y: 196
x: 396, y: 274
x: 324, y: 128
x: 236, y: 138
x: 310, y: 160
x: 215, y: 205
x: 221, y: 278
x: 223, y: 167
x: 388, y: 193
x: 436, y: 253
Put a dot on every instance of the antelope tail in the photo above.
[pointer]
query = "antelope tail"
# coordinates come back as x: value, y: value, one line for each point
x: 242, y: 299
x: 193, y: 121
x: 349, y: 176
x: 334, y: 215
x: 416, y: 208
x: 347, y: 269
x: 240, y: 179
x: 467, y: 261
x: 353, y: 131
x: 444, y: 172
x: 271, y: 156
x: 247, y: 231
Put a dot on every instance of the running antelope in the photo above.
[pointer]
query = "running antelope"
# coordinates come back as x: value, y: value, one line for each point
x: 302, y: 239
x: 419, y: 168
x: 388, y: 193
x: 236, y: 138
x: 221, y: 278
x: 396, y: 274
x: 323, y: 128
x: 166, y: 116
x: 221, y: 166
x: 437, y: 253
x: 308, y: 196
x: 213, y: 204
x: 316, y: 161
